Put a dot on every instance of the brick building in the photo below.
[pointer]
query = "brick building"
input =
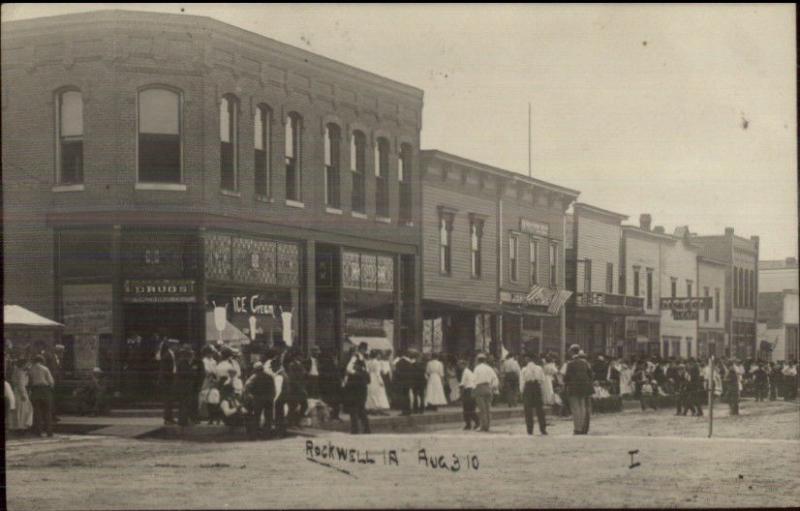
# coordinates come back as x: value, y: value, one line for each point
x: 741, y: 287
x: 173, y: 173
x: 490, y: 236
x: 778, y: 307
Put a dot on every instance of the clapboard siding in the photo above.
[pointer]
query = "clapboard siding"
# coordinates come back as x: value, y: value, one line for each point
x: 644, y: 253
x: 598, y: 240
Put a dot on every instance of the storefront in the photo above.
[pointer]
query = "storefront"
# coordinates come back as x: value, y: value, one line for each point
x: 531, y: 322
x: 711, y: 341
x: 642, y: 334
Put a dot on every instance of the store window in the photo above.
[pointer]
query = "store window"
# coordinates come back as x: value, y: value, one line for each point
x: 262, y: 144
x: 333, y: 136
x: 159, y: 136
x: 358, y: 163
x: 292, y: 153
x: 69, y: 134
x: 382, y: 177
x: 228, y: 137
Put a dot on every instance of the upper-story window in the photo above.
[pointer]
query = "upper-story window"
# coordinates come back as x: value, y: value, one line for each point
x: 689, y: 288
x: 636, y: 275
x: 673, y: 287
x: 610, y: 278
x: 513, y: 257
x: 475, y: 246
x: 333, y: 137
x: 69, y: 133
x: 159, y: 136
x: 382, y: 177
x: 587, y: 276
x: 404, y: 175
x: 649, y: 288
x: 706, y: 293
x: 553, y: 265
x: 358, y: 163
x: 292, y: 151
x: 229, y: 141
x: 533, y: 258
x: 716, y: 305
x: 262, y: 146
x: 445, y: 242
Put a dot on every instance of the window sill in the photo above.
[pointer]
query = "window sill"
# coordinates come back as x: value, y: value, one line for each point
x: 230, y: 193
x: 262, y: 198
x: 167, y: 187
x: 295, y: 204
x: 68, y: 188
x: 333, y: 211
x: 383, y: 219
x: 356, y: 214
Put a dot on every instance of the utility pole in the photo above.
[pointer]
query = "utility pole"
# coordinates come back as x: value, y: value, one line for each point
x: 530, y: 141
x: 710, y: 395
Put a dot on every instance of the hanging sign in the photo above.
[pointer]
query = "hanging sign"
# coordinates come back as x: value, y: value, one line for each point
x: 535, y: 228
x: 159, y: 291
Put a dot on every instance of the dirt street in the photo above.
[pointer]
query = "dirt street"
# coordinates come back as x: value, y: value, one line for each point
x: 753, y: 460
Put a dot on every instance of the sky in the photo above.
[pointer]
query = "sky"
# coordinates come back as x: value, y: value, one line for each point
x: 686, y: 112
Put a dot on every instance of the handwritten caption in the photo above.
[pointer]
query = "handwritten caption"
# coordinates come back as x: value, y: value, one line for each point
x: 330, y: 452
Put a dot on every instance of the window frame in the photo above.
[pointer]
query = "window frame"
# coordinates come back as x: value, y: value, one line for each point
x: 637, y: 271
x: 706, y: 311
x: 610, y: 278
x: 649, y: 287
x: 233, y: 128
x: 554, y: 266
x: 266, y: 139
x: 476, y: 254
x: 404, y: 169
x: 293, y: 123
x: 716, y: 304
x: 533, y: 261
x: 60, y: 139
x: 383, y: 151
x: 446, y: 223
x: 513, y: 257
x: 358, y: 169
x: 332, y: 163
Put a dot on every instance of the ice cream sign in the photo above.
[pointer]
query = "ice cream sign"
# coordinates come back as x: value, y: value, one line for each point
x: 256, y: 305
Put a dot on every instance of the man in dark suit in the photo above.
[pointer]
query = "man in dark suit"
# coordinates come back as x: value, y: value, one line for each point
x: 330, y: 383
x: 418, y: 384
x: 404, y: 380
x: 167, y: 369
x: 355, y: 387
x: 579, y: 389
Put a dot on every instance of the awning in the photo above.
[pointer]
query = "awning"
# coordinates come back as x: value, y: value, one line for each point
x: 527, y: 311
x: 14, y: 315
x: 230, y: 334
x: 435, y: 308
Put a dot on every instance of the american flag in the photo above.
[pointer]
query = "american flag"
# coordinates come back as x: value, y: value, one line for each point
x: 535, y: 294
x: 558, y: 301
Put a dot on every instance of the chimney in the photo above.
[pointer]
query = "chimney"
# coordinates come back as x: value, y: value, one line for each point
x: 681, y: 231
x: 645, y: 220
x: 659, y: 229
x: 729, y: 232
x: 754, y: 239
x: 791, y: 261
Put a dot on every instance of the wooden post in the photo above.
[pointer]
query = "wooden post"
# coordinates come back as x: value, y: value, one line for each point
x: 711, y: 396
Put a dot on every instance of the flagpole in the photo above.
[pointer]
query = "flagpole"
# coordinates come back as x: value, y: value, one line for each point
x: 530, y: 142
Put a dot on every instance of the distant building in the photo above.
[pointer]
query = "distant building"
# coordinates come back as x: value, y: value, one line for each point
x: 778, y: 307
x: 741, y: 287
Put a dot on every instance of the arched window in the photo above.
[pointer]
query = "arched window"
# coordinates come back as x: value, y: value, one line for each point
x: 69, y: 134
x: 159, y: 136
x: 404, y: 174
x: 358, y: 163
x: 293, y: 150
x: 229, y: 141
x: 262, y: 144
x: 382, y: 177
x: 333, y: 137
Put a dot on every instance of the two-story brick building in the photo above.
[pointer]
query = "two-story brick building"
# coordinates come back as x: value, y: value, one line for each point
x: 175, y: 174
x: 491, y: 237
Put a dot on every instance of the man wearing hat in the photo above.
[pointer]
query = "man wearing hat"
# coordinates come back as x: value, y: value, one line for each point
x: 355, y: 384
x: 167, y: 369
x: 259, y: 391
x: 53, y: 360
x: 41, y: 395
x: 404, y: 379
x: 486, y: 384
x: 579, y: 389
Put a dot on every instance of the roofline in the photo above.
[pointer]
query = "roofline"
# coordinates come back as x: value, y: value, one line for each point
x: 453, y: 158
x: 704, y: 259
x: 210, y: 23
x: 639, y: 230
x: 600, y: 211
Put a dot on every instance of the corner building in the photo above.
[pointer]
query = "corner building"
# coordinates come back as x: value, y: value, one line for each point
x: 175, y: 174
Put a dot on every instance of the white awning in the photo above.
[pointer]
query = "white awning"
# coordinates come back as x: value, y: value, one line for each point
x: 20, y: 316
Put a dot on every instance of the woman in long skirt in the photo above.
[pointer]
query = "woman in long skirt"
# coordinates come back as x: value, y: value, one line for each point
x: 451, y: 370
x: 550, y: 371
x: 22, y: 417
x: 626, y: 379
x: 377, y: 400
x: 434, y: 390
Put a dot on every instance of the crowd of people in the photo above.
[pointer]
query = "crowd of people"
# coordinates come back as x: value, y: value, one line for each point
x: 283, y: 388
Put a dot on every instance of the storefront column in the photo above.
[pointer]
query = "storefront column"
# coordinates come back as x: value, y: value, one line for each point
x: 418, y: 317
x: 117, y: 325
x: 397, y: 311
x: 308, y: 331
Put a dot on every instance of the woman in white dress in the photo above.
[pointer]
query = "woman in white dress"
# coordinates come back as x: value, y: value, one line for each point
x: 550, y: 372
x: 625, y: 378
x: 377, y: 400
x: 209, y: 381
x: 434, y: 390
x: 452, y: 378
x: 22, y: 417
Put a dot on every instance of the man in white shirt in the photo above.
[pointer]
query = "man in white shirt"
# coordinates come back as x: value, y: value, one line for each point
x: 467, y: 399
x: 530, y: 384
x: 511, y: 384
x: 486, y: 383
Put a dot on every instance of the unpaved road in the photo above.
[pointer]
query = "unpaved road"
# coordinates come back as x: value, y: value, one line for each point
x: 753, y: 460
